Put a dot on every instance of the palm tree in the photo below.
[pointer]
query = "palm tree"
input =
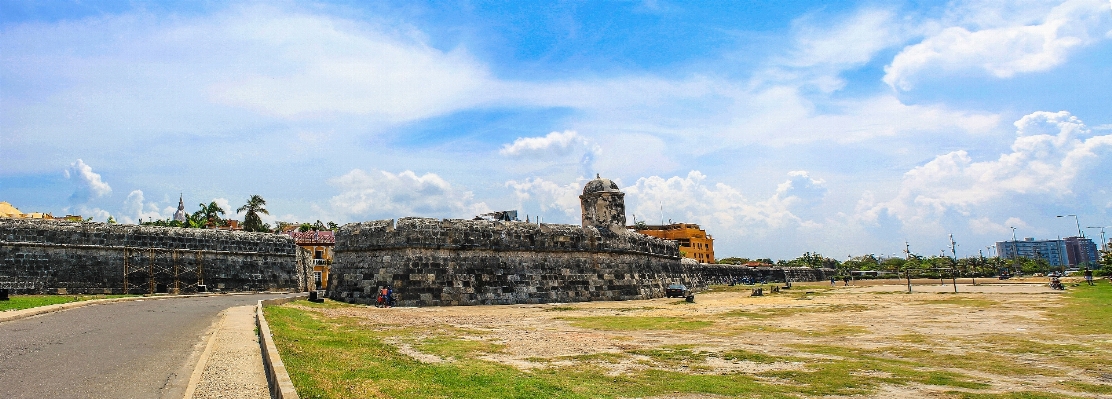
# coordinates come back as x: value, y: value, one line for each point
x: 251, y: 221
x: 210, y: 214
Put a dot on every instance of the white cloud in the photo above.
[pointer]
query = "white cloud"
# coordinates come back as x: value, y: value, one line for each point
x: 97, y: 214
x: 1051, y: 158
x: 333, y: 65
x: 1002, y: 51
x: 986, y: 226
x: 849, y: 42
x: 722, y: 207
x: 549, y: 195
x: 381, y: 194
x: 89, y: 185
x: 554, y: 142
x: 136, y: 209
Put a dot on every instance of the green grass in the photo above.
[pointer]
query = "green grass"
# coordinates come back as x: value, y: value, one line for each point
x: 749, y: 356
x: 338, y: 358
x: 452, y: 347
x: 1009, y: 395
x: 629, y: 323
x: 18, y: 302
x: 768, y: 313
x: 673, y: 355
x: 842, y: 375
x: 962, y: 301
x: 1104, y: 389
x: 1088, y: 310
x: 560, y: 309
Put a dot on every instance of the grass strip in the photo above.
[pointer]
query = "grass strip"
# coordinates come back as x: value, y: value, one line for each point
x: 1089, y: 309
x: 339, y: 358
x: 629, y: 323
x: 20, y: 302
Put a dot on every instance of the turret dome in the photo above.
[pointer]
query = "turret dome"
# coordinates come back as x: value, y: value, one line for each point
x: 600, y: 185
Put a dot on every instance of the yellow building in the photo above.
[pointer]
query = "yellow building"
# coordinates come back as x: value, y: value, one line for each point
x: 694, y: 241
x: 9, y: 211
x: 320, y: 244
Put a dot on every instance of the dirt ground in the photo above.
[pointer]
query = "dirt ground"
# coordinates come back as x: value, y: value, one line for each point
x: 987, y: 321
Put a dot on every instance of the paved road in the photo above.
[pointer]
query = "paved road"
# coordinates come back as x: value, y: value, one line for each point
x: 138, y: 349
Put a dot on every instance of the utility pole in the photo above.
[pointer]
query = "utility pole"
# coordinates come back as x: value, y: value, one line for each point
x: 907, y: 270
x: 1102, y: 240
x: 982, y: 253
x: 954, y: 264
x: 1015, y: 249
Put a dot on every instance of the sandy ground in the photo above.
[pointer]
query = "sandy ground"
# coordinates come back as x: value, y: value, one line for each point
x: 869, y: 314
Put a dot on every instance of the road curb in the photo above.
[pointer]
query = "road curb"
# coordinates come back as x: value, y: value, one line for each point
x: 202, y: 361
x: 281, y: 387
x: 25, y: 313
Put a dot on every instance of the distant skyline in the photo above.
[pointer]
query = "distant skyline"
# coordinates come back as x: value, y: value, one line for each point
x: 844, y: 128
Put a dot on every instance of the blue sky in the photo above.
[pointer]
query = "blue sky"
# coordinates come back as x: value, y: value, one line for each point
x: 781, y: 127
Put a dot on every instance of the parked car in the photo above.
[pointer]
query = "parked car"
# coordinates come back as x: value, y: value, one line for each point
x: 676, y: 291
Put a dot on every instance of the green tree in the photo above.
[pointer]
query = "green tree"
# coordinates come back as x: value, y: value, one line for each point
x: 251, y: 220
x: 733, y: 261
x: 1105, y: 263
x: 209, y: 215
x: 305, y: 227
x: 111, y: 220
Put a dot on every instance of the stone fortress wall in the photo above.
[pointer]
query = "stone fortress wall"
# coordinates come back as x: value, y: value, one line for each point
x: 46, y: 256
x: 432, y: 262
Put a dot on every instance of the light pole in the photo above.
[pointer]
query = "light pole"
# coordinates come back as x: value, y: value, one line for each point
x: 954, y: 263
x: 1102, y: 241
x: 907, y: 264
x: 1080, y: 234
x: 1015, y: 248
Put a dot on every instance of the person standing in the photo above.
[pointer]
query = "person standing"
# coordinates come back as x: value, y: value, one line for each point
x: 833, y: 281
x: 1088, y: 276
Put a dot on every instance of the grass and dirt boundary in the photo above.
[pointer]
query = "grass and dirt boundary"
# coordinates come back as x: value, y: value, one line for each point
x: 811, y: 341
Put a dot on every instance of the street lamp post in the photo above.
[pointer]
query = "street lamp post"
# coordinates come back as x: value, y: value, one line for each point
x: 1102, y: 240
x: 1080, y: 234
x: 1015, y: 248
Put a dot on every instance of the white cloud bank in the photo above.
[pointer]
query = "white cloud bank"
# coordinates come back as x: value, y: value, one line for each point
x: 1054, y: 158
x: 722, y: 207
x: 381, y: 194
x: 88, y: 184
x: 554, y: 143
x: 1003, y: 51
x: 334, y: 65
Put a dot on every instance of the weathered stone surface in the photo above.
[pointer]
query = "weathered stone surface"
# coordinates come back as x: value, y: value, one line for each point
x: 432, y: 262
x: 55, y: 256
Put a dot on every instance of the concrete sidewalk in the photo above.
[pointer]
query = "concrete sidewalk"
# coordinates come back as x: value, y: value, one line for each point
x: 232, y: 364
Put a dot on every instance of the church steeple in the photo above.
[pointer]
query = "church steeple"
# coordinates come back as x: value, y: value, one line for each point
x: 180, y: 214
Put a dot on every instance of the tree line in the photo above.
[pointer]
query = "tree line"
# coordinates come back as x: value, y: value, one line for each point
x: 927, y: 266
x: 210, y: 216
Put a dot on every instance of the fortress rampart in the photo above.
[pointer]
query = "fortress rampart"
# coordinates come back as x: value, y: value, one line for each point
x: 45, y: 256
x: 433, y: 262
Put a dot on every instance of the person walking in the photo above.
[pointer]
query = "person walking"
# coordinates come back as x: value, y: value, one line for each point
x: 833, y: 281
x: 845, y: 279
x: 1088, y: 276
